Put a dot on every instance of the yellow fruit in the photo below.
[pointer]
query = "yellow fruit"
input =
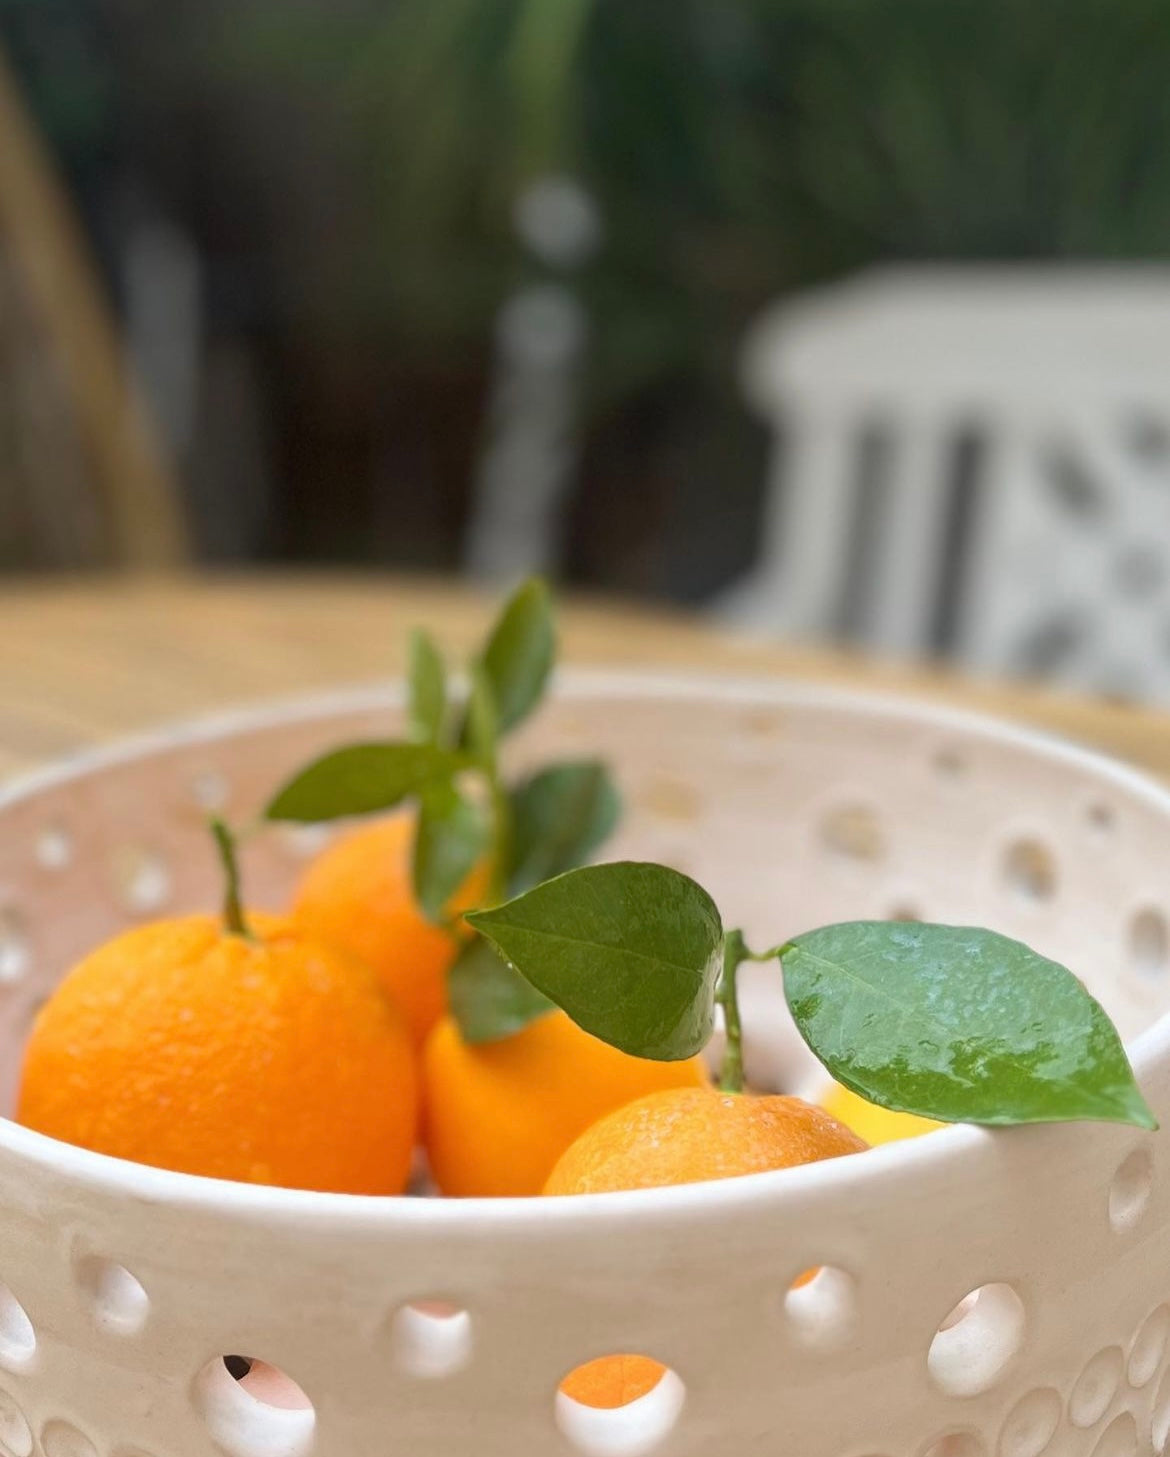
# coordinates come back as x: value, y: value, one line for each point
x: 874, y: 1124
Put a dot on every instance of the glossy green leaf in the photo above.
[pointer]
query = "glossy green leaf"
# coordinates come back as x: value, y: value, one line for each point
x: 427, y: 684
x: 957, y: 1024
x: 519, y: 654
x: 559, y: 818
x: 488, y: 998
x: 631, y: 951
x: 452, y: 835
x: 360, y: 779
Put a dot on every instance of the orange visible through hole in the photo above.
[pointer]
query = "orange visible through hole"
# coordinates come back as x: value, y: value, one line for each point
x: 271, y: 1387
x: 613, y: 1381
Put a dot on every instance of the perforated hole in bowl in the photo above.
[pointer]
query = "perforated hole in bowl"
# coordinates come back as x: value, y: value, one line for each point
x: 16, y: 1438
x: 1149, y: 942
x: 1029, y: 869
x: 956, y: 1444
x: 977, y: 1341
x: 622, y: 1405
x: 1129, y: 1192
x: 671, y: 799
x: 431, y: 1338
x: 1031, y: 1424
x: 54, y: 848
x: 15, y: 951
x: 854, y: 831
x: 1120, y: 1437
x: 1101, y: 817
x: 253, y: 1409
x: 119, y: 1304
x: 762, y: 723
x: 210, y: 790
x: 142, y: 879
x: 1160, y: 1416
x: 1149, y: 1346
x: 18, y: 1340
x: 950, y: 762
x: 821, y: 1307
x: 63, y: 1439
x: 1095, y: 1388
x: 903, y: 911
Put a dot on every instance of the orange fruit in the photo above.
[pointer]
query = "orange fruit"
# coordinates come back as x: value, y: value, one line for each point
x: 358, y: 895
x: 685, y: 1136
x: 272, y: 1061
x: 612, y: 1381
x: 500, y: 1114
x: 690, y: 1135
x: 874, y: 1124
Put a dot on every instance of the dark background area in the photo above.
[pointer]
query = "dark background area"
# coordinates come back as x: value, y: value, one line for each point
x: 344, y: 175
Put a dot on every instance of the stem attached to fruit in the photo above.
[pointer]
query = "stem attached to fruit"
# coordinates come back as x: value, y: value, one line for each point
x: 734, y: 952
x: 233, y: 910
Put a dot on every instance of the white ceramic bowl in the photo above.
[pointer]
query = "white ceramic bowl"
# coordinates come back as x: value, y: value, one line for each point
x: 121, y: 1288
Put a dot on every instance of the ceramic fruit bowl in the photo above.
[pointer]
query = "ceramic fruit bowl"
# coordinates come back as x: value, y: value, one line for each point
x: 978, y: 1293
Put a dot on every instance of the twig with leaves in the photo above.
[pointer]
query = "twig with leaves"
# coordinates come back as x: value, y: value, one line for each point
x: 953, y: 1023
x: 448, y: 766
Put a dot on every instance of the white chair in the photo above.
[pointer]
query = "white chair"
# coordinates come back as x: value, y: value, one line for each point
x: 973, y: 461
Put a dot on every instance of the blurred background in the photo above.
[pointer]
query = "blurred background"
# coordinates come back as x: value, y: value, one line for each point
x: 837, y: 320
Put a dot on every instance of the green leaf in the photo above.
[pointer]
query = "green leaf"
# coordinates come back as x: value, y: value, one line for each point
x: 631, y: 952
x: 427, y: 681
x: 957, y: 1024
x: 519, y: 654
x: 489, y: 1000
x: 360, y: 779
x: 453, y: 834
x: 559, y: 818
x: 481, y: 731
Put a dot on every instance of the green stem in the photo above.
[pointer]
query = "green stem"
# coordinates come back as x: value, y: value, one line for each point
x: 502, y: 849
x: 734, y: 952
x: 233, y: 910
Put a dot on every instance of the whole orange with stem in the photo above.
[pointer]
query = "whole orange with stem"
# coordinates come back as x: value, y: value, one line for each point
x: 685, y: 1136
x: 358, y: 895
x: 235, y: 1047
x: 498, y: 1115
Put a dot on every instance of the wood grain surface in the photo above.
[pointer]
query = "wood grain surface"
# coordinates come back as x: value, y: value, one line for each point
x: 86, y: 661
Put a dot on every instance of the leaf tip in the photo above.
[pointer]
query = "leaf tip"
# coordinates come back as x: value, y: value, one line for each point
x: 1140, y: 1114
x: 275, y: 811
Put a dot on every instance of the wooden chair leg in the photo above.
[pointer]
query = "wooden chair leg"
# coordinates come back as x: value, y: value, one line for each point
x: 139, y: 495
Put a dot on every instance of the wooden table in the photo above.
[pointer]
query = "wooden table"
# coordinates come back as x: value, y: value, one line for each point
x: 82, y: 662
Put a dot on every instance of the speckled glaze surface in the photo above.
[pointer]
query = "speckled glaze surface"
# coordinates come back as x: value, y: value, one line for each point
x: 121, y: 1288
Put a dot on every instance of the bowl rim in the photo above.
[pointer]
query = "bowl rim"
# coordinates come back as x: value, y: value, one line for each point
x: 886, y: 1164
